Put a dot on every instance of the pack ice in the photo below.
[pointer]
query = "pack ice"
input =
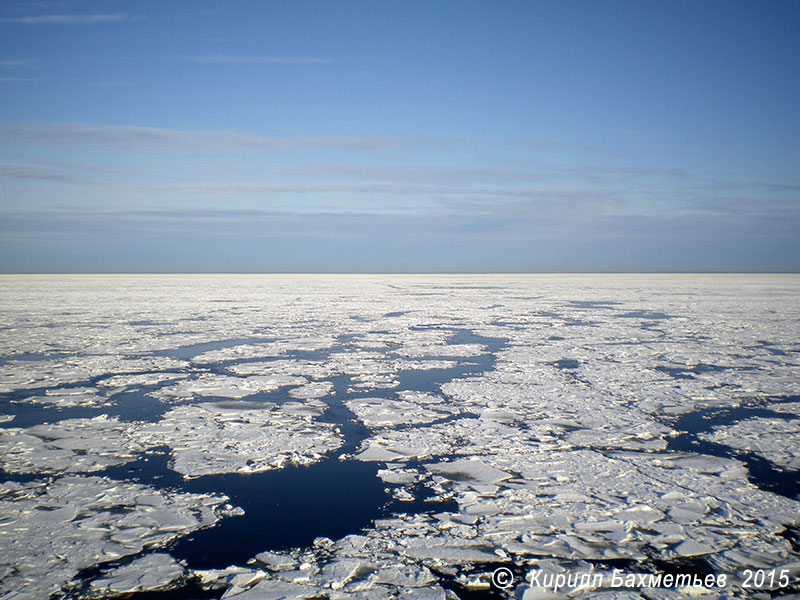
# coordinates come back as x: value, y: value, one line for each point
x: 564, y: 423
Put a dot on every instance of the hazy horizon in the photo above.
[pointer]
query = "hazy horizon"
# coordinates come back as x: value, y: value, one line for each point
x: 400, y: 273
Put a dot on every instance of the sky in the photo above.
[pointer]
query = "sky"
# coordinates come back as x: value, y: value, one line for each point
x: 413, y: 136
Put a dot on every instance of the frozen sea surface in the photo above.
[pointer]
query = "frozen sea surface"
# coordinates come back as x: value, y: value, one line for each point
x: 257, y: 437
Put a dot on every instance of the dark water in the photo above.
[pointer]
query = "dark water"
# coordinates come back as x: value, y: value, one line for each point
x: 192, y: 350
x: 689, y: 372
x: 284, y: 509
x: 566, y: 363
x: 29, y: 357
x: 761, y: 472
x: 131, y: 404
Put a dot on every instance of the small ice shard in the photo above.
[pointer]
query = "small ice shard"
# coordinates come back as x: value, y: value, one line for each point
x: 640, y: 514
x: 450, y: 554
x: 467, y: 470
x: 276, y: 562
x: 270, y: 589
x: 691, y: 548
x: 338, y: 573
x: 314, y: 389
x: 412, y: 576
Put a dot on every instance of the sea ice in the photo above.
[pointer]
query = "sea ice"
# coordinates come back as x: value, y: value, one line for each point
x: 385, y: 412
x: 51, y: 530
x: 226, y: 387
x: 224, y: 438
x: 777, y: 440
x: 152, y: 573
x: 560, y: 451
x: 69, y: 446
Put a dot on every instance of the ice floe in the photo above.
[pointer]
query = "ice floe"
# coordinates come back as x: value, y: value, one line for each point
x: 777, y: 440
x: 155, y: 572
x: 225, y: 438
x: 67, y: 398
x: 50, y: 530
x: 386, y: 412
x: 225, y: 386
x: 69, y: 446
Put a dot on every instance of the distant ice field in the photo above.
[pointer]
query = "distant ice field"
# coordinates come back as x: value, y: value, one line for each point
x: 369, y: 436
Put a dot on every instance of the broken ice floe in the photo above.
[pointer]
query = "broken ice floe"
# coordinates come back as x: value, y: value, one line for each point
x: 204, y: 439
x: 225, y: 387
x: 155, y: 572
x: 386, y: 412
x: 777, y: 440
x: 67, y: 398
x: 314, y: 389
x: 218, y: 438
x: 69, y: 446
x: 289, y: 367
x: 52, y: 530
x: 121, y: 382
x: 356, y: 566
x: 77, y: 370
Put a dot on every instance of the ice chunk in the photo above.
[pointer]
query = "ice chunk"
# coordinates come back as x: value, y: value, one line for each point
x: 52, y: 531
x: 151, y: 573
x: 776, y: 440
x: 68, y: 398
x: 269, y: 589
x: 227, y: 387
x: 383, y: 412
x: 69, y: 446
x: 315, y: 389
x: 450, y: 554
x: 472, y: 470
x: 209, y: 438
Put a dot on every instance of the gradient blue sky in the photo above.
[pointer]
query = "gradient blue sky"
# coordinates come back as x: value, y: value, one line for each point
x: 207, y: 136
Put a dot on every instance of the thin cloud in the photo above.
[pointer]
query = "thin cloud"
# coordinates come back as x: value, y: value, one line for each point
x: 67, y: 19
x: 154, y: 138
x: 256, y: 60
x: 18, y: 62
x: 380, y: 189
x: 40, y: 173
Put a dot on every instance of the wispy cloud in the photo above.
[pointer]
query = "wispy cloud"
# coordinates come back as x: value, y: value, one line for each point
x: 154, y: 138
x: 40, y: 173
x: 18, y: 62
x: 71, y: 19
x: 256, y: 60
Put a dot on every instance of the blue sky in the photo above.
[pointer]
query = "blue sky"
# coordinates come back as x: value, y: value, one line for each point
x: 208, y: 136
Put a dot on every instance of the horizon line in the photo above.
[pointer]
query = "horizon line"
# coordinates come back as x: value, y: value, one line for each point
x: 784, y: 272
